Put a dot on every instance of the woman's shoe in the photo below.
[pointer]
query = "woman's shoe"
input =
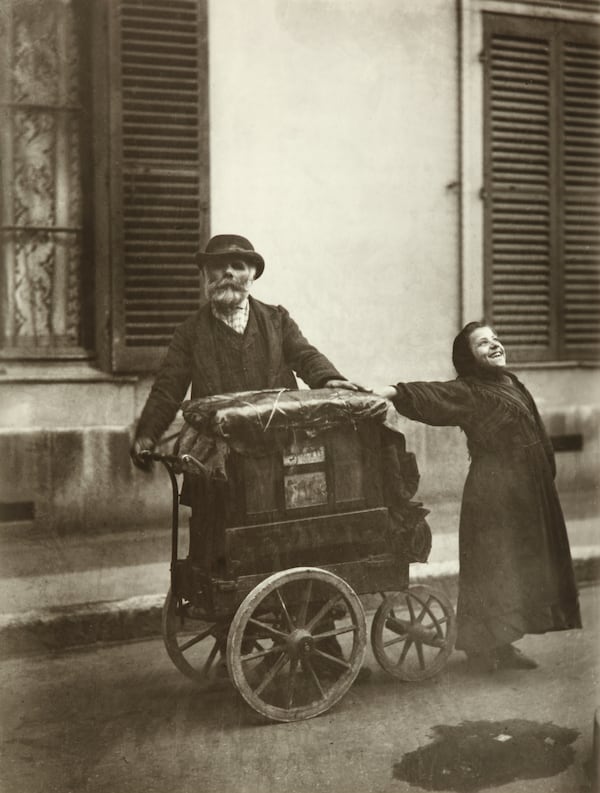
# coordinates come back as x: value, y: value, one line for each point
x: 485, y: 662
x: 509, y: 657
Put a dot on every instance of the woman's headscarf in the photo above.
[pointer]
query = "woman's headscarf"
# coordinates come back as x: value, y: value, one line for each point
x: 462, y: 357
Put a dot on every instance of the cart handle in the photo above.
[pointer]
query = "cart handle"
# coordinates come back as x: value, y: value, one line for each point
x: 170, y: 459
x: 180, y: 463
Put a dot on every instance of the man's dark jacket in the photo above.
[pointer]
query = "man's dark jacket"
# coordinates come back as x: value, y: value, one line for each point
x: 193, y: 357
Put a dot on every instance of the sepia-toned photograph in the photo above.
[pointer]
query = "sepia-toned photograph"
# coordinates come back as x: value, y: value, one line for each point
x: 300, y: 396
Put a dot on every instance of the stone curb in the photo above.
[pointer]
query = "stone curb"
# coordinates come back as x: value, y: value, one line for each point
x: 44, y: 630
x: 61, y: 628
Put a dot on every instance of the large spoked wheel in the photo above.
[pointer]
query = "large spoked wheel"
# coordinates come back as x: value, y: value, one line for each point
x: 413, y: 633
x: 194, y: 644
x: 296, y: 643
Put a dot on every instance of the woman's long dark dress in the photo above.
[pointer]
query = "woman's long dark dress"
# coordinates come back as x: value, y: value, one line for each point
x: 516, y: 574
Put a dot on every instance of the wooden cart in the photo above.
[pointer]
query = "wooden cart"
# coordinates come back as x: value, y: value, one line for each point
x: 285, y: 535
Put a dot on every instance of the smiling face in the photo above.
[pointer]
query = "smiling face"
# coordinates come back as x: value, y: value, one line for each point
x: 487, y: 349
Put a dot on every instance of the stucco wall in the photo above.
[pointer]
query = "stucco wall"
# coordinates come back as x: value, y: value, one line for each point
x: 334, y: 147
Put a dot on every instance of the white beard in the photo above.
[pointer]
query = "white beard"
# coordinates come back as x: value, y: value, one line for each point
x: 228, y: 296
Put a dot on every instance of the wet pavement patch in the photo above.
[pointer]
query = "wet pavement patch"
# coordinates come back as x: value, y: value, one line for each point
x: 477, y: 755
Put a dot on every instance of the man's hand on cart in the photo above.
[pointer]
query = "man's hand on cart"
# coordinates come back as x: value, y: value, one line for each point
x: 348, y: 384
x: 140, y: 453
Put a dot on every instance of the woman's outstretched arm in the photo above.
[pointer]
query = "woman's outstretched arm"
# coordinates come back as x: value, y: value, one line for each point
x: 439, y: 404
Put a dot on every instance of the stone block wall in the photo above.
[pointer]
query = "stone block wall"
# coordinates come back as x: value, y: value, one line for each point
x: 81, y: 480
x: 78, y: 480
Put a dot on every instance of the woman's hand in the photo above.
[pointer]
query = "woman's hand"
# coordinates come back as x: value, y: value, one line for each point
x: 386, y: 391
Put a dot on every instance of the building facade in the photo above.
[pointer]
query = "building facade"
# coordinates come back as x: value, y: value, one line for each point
x: 403, y: 167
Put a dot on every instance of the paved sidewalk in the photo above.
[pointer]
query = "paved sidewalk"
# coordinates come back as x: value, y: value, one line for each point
x: 79, y: 590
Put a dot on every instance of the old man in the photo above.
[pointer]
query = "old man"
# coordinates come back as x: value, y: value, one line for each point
x: 232, y: 343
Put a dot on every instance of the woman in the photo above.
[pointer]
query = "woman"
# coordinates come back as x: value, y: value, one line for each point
x: 516, y: 574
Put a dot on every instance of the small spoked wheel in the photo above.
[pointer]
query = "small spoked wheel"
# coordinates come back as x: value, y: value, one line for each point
x: 413, y: 633
x: 296, y: 643
x: 195, y: 644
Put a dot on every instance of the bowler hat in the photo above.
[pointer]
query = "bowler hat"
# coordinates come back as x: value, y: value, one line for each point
x: 225, y: 246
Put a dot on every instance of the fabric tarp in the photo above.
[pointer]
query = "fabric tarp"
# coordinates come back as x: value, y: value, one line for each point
x: 257, y: 423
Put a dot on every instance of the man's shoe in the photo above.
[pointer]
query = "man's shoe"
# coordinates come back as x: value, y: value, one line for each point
x: 329, y: 672
x: 364, y: 675
x: 509, y: 657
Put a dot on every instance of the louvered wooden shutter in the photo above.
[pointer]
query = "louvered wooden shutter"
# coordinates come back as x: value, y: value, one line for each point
x: 541, y: 164
x: 518, y: 186
x: 160, y: 172
x: 580, y: 177
x: 590, y: 6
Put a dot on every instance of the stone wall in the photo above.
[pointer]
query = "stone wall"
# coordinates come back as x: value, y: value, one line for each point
x: 80, y: 479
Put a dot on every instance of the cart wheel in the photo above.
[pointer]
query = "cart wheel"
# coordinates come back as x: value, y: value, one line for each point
x: 194, y: 644
x: 283, y: 652
x: 413, y: 633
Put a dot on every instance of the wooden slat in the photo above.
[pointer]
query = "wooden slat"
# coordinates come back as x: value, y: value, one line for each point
x: 162, y: 81
x: 581, y: 211
x: 542, y: 181
x: 590, y: 6
x: 518, y: 168
x: 154, y: 210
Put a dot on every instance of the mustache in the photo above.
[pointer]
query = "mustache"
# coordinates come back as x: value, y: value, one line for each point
x: 227, y: 283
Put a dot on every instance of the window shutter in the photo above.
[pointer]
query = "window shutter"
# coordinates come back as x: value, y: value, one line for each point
x: 541, y: 180
x: 589, y: 6
x: 159, y: 172
x: 518, y: 184
x: 581, y: 185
